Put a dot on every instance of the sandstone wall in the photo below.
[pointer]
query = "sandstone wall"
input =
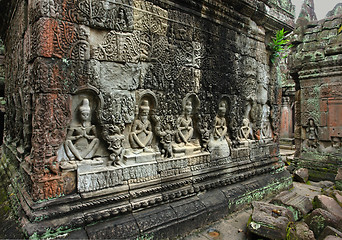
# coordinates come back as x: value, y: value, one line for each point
x: 123, y: 111
x: 316, y: 68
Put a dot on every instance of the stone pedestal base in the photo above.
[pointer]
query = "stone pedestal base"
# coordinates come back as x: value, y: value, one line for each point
x: 186, y: 150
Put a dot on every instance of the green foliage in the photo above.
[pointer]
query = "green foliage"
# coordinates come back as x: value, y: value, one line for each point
x: 279, y: 45
x: 145, y: 236
x: 50, y: 234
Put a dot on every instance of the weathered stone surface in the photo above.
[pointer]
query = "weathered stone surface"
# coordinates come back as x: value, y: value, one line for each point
x: 332, y: 238
x: 301, y: 175
x: 329, y: 204
x: 269, y: 220
x: 338, y: 196
x: 124, y: 119
x: 300, y: 231
x: 320, y: 218
x: 315, y: 63
x: 329, y: 231
x: 339, y: 174
x: 323, y: 184
x: 307, y: 11
x: 297, y: 204
x: 338, y: 179
x: 337, y: 10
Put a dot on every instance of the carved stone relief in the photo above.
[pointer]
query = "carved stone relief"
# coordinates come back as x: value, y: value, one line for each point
x: 219, y: 143
x: 150, y: 18
x: 142, y: 137
x: 102, y: 14
x: 83, y: 142
x: 311, y: 130
x: 119, y: 47
x: 266, y: 128
x: 186, y: 136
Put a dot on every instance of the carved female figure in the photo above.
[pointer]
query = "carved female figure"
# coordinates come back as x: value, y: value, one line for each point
x: 81, y: 141
x: 141, y: 135
x: 185, y: 127
x: 245, y: 132
x: 312, y: 134
x: 220, y: 127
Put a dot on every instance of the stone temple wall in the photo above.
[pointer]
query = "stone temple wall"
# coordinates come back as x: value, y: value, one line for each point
x: 316, y: 64
x: 131, y: 116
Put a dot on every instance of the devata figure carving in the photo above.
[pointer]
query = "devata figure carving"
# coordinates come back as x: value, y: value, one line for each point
x: 81, y: 141
x: 220, y: 128
x: 245, y: 132
x: 311, y: 134
x: 219, y: 143
x: 141, y: 135
x: 266, y: 129
x: 185, y: 126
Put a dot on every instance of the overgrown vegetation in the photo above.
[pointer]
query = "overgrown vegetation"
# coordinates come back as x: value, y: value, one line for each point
x: 279, y: 45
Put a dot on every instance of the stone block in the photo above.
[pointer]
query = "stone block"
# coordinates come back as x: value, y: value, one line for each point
x: 320, y: 218
x: 329, y: 204
x: 338, y: 196
x: 215, y: 202
x: 297, y: 204
x: 269, y: 221
x: 330, y: 237
x: 55, y: 38
x: 338, y: 179
x: 329, y: 231
x: 300, y: 231
x: 150, y: 220
x: 301, y: 175
x: 118, y: 228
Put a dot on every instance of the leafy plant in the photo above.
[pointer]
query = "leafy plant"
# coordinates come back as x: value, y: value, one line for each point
x: 279, y: 45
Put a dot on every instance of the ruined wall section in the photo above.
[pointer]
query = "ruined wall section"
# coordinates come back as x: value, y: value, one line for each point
x: 316, y: 68
x: 86, y: 78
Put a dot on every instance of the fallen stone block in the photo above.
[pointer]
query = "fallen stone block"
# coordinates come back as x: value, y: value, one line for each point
x: 320, y: 219
x: 323, y: 184
x: 338, y: 197
x: 301, y: 175
x: 329, y: 231
x: 329, y: 204
x: 338, y: 179
x: 300, y: 231
x: 332, y: 238
x: 297, y: 204
x: 270, y: 221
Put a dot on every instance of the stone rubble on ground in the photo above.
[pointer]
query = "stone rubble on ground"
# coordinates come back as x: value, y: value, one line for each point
x: 320, y: 218
x: 329, y: 204
x: 329, y: 231
x: 301, y: 175
x: 300, y: 231
x: 299, y: 205
x: 269, y: 220
x: 338, y: 179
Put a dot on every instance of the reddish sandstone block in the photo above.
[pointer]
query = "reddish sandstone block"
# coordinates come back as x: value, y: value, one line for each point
x: 324, y: 119
x: 335, y: 117
x: 323, y: 106
x: 55, y: 38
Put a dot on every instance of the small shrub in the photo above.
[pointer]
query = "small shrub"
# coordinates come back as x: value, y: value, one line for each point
x: 279, y: 45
